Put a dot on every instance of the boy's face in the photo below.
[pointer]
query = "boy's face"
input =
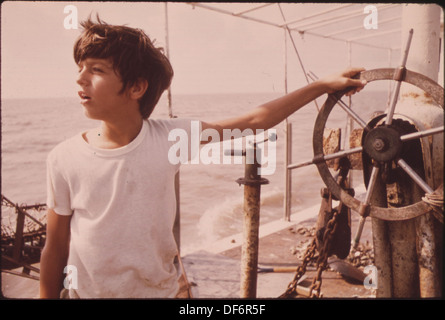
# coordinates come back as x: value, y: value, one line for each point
x: 100, y: 89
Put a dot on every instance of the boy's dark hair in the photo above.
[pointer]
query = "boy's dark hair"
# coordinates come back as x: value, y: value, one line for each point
x: 133, y: 54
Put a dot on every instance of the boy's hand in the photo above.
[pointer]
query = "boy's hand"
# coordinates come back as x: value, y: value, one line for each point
x: 343, y: 80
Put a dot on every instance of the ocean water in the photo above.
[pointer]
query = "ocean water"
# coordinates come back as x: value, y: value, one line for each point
x: 211, y: 201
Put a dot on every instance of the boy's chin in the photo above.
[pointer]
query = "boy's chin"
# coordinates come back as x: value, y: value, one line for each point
x: 91, y: 115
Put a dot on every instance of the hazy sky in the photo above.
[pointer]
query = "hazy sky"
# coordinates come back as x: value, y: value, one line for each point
x: 210, y: 52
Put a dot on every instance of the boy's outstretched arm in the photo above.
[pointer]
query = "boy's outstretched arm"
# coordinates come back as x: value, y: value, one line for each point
x: 271, y: 113
x: 54, y: 255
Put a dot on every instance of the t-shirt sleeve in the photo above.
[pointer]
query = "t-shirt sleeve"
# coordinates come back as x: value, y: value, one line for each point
x: 58, y: 192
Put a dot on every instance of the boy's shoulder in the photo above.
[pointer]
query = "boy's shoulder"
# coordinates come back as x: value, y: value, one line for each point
x: 66, y: 146
x: 172, y: 123
x: 158, y: 129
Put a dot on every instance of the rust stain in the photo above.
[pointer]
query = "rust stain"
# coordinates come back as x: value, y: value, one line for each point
x: 426, y: 97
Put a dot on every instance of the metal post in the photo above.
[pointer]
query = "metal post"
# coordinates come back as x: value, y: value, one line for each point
x: 167, y: 53
x: 288, y: 172
x: 349, y: 121
x: 389, y: 82
x: 18, y: 241
x: 288, y: 146
x: 249, y: 253
x: 430, y: 241
x: 249, y: 262
x: 381, y: 244
x: 405, y: 277
x: 177, y: 223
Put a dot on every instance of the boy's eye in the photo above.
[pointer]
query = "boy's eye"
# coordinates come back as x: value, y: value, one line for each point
x: 96, y: 69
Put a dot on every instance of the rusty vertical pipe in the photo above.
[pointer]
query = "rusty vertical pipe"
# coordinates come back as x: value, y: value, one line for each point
x: 382, y: 246
x: 249, y: 253
x: 403, y: 192
x: 404, y: 259
x: 429, y: 256
x: 382, y: 258
x: 249, y: 262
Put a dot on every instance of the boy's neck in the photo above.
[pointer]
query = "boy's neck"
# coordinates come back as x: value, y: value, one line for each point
x: 114, y: 135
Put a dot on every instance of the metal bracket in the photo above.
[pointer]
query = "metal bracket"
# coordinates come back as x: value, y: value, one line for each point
x: 252, y: 182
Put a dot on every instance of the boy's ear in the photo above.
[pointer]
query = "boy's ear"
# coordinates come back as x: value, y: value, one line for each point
x: 139, y: 88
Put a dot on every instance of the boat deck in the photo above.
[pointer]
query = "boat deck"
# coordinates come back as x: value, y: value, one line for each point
x: 214, y: 271
x: 217, y: 274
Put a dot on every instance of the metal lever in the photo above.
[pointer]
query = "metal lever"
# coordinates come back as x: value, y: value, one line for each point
x: 234, y: 152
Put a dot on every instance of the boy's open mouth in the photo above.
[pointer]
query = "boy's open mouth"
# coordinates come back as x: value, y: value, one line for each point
x: 83, y: 96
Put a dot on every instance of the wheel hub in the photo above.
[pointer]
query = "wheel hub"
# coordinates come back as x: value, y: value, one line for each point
x: 383, y: 144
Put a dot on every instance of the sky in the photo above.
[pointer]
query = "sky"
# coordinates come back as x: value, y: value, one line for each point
x: 37, y: 49
x: 210, y: 52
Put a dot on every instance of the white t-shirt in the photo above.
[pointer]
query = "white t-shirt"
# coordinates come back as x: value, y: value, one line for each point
x: 123, y: 206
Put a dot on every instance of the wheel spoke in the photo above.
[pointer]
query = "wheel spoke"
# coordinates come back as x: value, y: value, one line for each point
x: 371, y: 184
x: 420, y: 134
x: 300, y: 165
x: 393, y: 103
x: 398, y: 75
x: 369, y: 191
x: 342, y: 153
x: 352, y: 114
x: 405, y: 166
x: 322, y: 157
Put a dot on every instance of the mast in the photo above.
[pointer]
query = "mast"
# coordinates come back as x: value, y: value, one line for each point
x: 409, y: 264
x: 167, y: 53
x: 425, y: 53
x: 425, y: 59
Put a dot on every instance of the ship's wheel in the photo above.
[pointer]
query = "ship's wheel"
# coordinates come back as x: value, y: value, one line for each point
x: 383, y: 142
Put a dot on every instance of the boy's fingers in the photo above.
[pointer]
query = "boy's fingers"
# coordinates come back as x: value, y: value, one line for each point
x: 353, y: 71
x: 344, y: 80
x: 357, y: 82
x: 357, y: 85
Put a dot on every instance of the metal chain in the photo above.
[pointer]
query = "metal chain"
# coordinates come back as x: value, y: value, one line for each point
x: 301, y: 270
x: 324, y: 251
x: 322, y: 261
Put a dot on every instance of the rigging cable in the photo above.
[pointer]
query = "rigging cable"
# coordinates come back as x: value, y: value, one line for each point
x: 296, y: 50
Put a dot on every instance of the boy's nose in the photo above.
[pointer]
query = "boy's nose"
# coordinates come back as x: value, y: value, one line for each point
x: 81, y: 78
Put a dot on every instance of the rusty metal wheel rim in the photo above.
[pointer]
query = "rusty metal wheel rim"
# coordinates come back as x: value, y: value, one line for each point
x: 393, y: 214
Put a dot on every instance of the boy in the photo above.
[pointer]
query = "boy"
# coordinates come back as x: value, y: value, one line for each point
x: 111, y: 195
